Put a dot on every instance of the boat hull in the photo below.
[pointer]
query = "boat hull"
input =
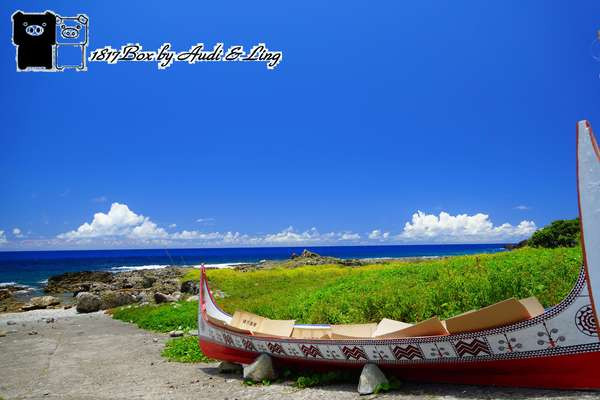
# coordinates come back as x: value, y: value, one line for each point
x: 559, y: 348
x: 570, y: 371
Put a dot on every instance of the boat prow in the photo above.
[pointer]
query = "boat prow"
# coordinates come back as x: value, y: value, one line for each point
x: 554, y: 348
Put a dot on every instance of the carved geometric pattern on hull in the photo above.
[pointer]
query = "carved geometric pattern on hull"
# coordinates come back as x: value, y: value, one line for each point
x: 228, y: 339
x: 474, y: 348
x: 311, y: 350
x: 355, y: 352
x: 409, y: 352
x: 585, y: 321
x: 248, y: 345
x: 275, y: 348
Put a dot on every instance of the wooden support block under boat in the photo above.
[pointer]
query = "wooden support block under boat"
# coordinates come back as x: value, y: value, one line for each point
x: 503, y: 313
x: 431, y: 327
x: 353, y: 331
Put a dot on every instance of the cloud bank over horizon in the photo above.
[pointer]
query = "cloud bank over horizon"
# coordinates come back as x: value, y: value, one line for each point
x: 121, y: 227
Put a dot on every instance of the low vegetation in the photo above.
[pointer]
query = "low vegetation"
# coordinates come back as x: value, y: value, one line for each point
x: 163, y: 318
x: 404, y: 291
x: 561, y: 233
x: 185, y: 350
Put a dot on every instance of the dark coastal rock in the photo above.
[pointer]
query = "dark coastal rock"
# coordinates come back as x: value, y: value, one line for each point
x: 190, y: 287
x: 88, y: 302
x: 37, y: 303
x: 167, y: 286
x: 5, y: 294
x: 142, y: 297
x: 307, y: 257
x: 72, y: 281
x: 176, y: 333
x: 163, y: 298
x: 513, y: 246
x: 10, y: 304
x: 112, y: 299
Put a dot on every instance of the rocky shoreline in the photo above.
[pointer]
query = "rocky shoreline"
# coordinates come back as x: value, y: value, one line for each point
x: 91, y: 291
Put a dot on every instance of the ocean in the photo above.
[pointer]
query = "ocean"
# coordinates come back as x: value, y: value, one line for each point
x: 32, y: 268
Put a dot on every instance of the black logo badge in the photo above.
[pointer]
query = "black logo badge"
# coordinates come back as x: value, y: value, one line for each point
x: 50, y: 42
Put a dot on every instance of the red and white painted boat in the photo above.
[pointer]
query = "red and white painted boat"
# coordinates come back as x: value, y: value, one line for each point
x: 560, y: 348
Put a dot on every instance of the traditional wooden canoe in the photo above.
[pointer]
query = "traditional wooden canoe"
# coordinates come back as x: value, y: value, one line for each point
x: 559, y: 348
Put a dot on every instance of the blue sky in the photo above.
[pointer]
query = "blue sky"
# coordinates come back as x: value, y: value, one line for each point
x: 464, y: 111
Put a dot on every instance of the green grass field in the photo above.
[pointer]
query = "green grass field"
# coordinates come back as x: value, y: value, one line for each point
x: 404, y: 291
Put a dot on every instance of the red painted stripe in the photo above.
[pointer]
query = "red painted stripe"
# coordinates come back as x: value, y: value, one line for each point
x: 573, y: 371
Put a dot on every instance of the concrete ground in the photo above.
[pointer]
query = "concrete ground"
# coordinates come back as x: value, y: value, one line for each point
x: 95, y: 357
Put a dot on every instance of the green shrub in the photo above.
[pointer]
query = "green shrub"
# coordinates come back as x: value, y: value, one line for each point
x: 561, y: 233
x: 161, y: 318
x: 185, y: 350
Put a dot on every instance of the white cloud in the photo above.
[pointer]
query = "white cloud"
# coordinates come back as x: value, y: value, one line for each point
x: 461, y: 228
x: 288, y: 235
x: 119, y: 221
x: 522, y: 207
x: 205, y: 221
x: 195, y: 235
x: 2, y: 237
x: 377, y: 234
x: 17, y: 233
x: 122, y: 227
x: 291, y: 236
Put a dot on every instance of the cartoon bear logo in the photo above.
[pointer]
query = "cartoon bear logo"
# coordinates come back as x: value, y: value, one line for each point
x: 71, y: 42
x: 34, y: 35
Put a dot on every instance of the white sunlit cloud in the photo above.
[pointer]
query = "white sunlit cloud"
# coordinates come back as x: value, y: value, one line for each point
x: 121, y: 226
x: 522, y: 207
x: 377, y: 234
x: 17, y: 233
x: 120, y: 221
x: 291, y: 236
x: 2, y: 238
x: 461, y: 228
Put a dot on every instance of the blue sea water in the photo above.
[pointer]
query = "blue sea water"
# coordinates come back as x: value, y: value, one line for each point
x: 32, y: 268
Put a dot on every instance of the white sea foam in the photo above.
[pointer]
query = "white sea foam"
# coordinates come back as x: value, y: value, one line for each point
x: 137, y: 267
x: 7, y: 284
x: 221, y: 266
x: 140, y: 267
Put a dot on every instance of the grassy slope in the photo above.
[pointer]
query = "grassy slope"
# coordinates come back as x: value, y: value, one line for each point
x: 404, y: 291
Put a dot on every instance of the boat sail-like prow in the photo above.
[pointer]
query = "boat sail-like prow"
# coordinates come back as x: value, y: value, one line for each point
x: 559, y: 348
